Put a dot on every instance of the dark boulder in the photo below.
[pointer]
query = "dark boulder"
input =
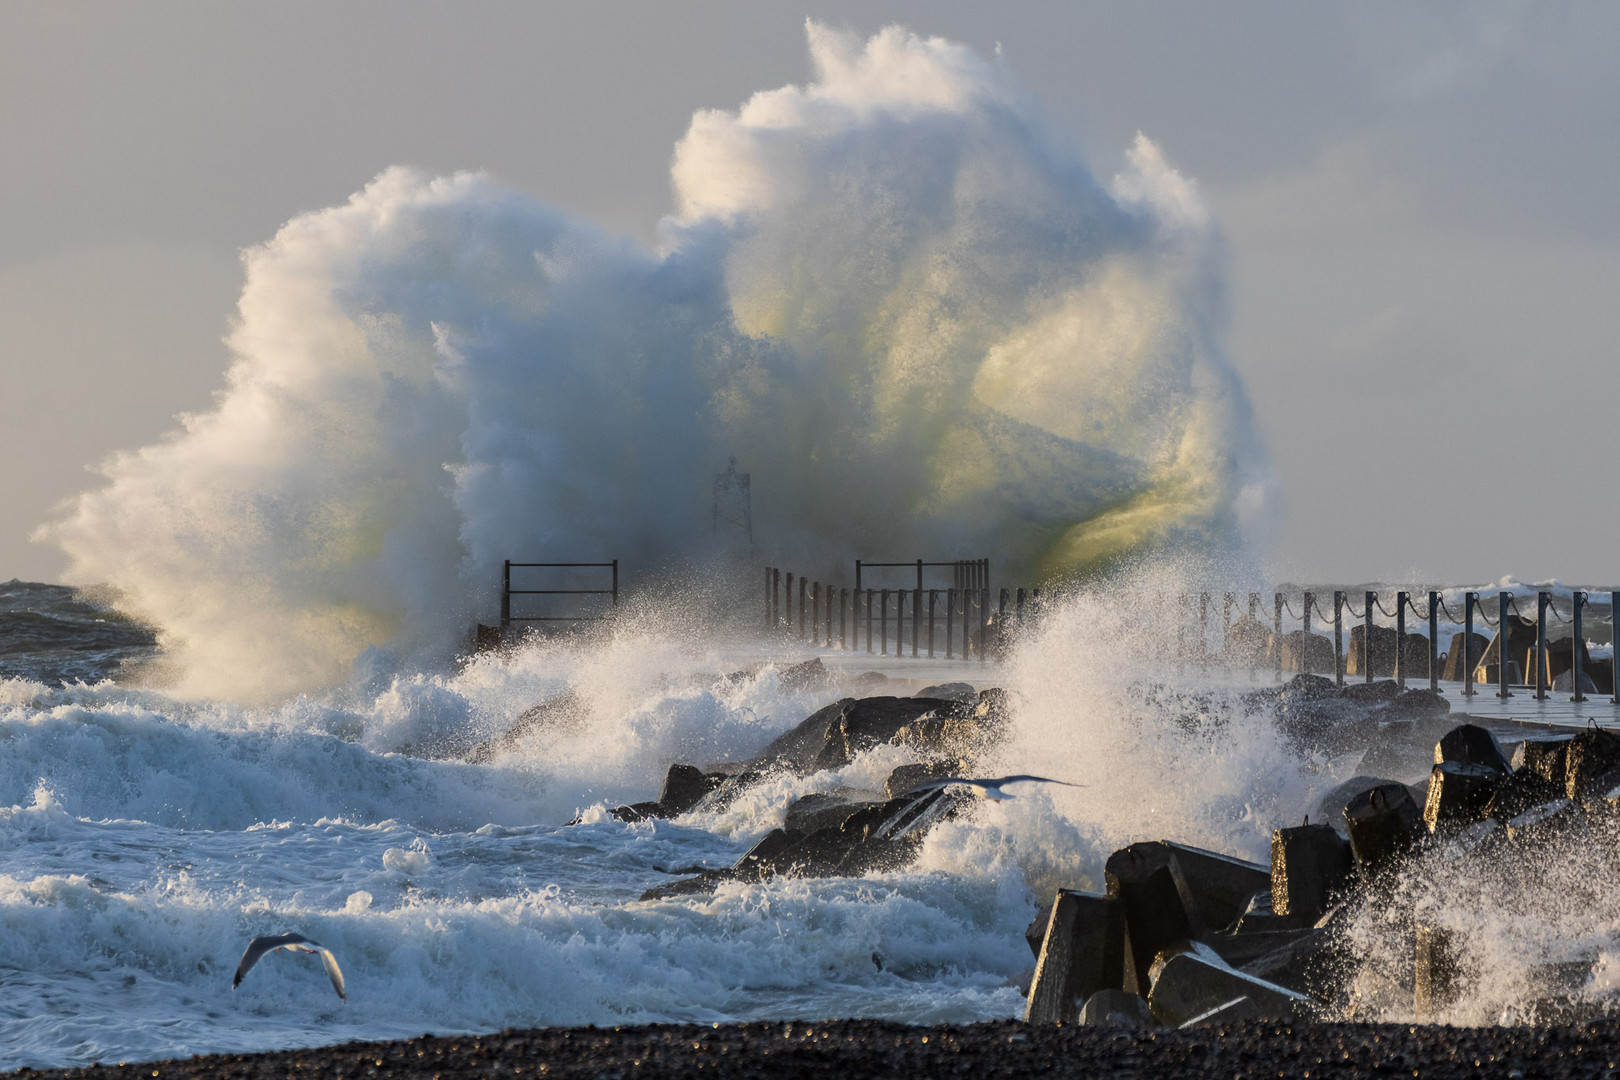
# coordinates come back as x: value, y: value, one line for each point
x: 1416, y: 704
x: 1221, y: 885
x: 827, y: 809
x: 1373, y: 693
x: 810, y: 675
x: 684, y: 788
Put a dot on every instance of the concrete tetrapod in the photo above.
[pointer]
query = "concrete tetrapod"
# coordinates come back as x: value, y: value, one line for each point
x: 1084, y: 951
x: 1159, y: 909
x: 1470, y: 744
x: 1459, y: 792
x: 1117, y: 1008
x: 1382, y: 824
x: 1187, y: 984
x: 1309, y: 863
x: 1232, y: 1012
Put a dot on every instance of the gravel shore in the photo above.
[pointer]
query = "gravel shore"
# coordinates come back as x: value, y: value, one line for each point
x: 877, y: 1048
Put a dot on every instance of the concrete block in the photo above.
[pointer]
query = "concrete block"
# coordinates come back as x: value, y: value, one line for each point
x: 1307, y: 652
x: 1470, y: 744
x: 1300, y: 965
x: 1544, y: 757
x: 1159, y: 907
x: 1381, y: 655
x: 1235, y: 1011
x: 1117, y: 1008
x: 1035, y: 932
x: 1221, y: 885
x: 1519, y: 791
x: 1309, y: 864
x: 1462, y: 655
x: 1544, y: 822
x: 1186, y: 984
x: 1591, y: 755
x: 1521, y: 634
x: 1458, y: 795
x: 1382, y: 824
x: 1083, y: 952
x: 1438, y: 976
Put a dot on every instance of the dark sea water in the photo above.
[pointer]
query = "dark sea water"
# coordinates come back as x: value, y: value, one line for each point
x: 56, y: 635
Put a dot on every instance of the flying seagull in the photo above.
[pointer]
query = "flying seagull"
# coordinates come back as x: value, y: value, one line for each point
x: 989, y: 787
x: 292, y: 943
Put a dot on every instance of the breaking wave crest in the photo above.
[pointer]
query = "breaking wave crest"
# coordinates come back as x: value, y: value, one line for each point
x: 910, y: 312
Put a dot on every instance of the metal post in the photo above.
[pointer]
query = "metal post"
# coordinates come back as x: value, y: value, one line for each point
x: 854, y: 620
x: 950, y: 620
x: 815, y: 611
x: 1254, y: 606
x: 1228, y: 602
x: 767, y: 598
x: 933, y: 595
x: 868, y: 620
x: 1276, y: 631
x: 1434, y: 641
x: 804, y: 587
x: 506, y: 595
x: 1305, y: 640
x: 788, y: 596
x: 1469, y: 600
x: 1400, y: 640
x: 1577, y: 640
x: 967, y: 622
x: 843, y: 603
x: 1614, y: 637
x: 1366, y: 634
x: 1542, y: 600
x: 919, y: 582
x: 776, y: 599
x: 916, y: 614
x: 984, y: 614
x: 883, y: 622
x: 857, y: 577
x: 1338, y: 637
x: 1504, y: 600
x: 1019, y: 609
x: 615, y: 583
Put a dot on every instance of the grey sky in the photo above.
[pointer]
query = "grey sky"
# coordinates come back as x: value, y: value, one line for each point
x: 1420, y: 202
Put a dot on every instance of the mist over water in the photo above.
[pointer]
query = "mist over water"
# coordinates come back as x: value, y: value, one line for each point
x: 915, y: 316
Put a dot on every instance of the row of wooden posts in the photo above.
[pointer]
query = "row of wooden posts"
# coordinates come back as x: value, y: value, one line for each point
x: 932, y: 616
x: 1505, y: 603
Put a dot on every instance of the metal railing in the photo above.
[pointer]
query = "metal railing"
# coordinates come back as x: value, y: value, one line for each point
x: 966, y: 620
x: 507, y: 592
x: 1396, y: 654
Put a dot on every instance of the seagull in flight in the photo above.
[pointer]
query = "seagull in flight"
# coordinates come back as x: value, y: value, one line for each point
x: 989, y: 787
x: 292, y: 943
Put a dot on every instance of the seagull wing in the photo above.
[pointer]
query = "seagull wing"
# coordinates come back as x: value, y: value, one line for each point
x: 292, y: 943
x: 333, y: 972
x: 1021, y: 776
x: 257, y: 948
